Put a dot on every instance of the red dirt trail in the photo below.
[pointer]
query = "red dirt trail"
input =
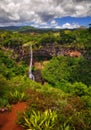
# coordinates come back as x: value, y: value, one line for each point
x: 8, y: 119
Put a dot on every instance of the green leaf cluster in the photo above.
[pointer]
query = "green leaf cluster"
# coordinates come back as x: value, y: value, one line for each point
x: 38, y: 121
x: 16, y: 96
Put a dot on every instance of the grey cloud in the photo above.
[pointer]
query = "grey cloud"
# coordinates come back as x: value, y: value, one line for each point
x: 82, y: 0
x: 38, y: 11
x: 45, y: 16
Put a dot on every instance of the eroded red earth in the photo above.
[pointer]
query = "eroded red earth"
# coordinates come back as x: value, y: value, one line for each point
x: 8, y: 119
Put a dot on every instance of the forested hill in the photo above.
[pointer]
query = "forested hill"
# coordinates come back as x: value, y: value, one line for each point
x: 26, y: 29
x: 62, y: 71
x: 33, y: 29
x: 21, y: 29
x: 46, y: 45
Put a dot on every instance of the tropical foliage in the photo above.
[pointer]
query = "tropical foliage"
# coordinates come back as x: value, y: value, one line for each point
x: 63, y: 100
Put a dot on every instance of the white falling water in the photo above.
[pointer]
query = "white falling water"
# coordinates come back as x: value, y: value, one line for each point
x: 31, y: 76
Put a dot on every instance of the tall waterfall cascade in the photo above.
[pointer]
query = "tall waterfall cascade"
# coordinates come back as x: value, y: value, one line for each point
x: 31, y: 76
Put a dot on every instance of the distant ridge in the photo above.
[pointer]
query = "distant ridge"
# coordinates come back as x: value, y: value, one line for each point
x: 24, y: 29
x: 27, y: 29
x: 33, y: 29
x: 16, y: 28
x: 10, y: 28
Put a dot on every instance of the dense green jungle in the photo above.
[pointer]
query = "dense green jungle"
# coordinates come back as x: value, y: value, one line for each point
x: 59, y: 98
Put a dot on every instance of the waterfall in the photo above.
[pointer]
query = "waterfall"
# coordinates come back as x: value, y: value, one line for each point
x: 31, y: 76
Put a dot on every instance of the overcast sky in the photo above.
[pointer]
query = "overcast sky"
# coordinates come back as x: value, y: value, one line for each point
x: 45, y: 13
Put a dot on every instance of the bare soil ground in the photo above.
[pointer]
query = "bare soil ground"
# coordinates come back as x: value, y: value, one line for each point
x: 8, y: 119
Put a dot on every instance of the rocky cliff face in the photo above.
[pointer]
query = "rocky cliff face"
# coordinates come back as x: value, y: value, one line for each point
x: 46, y: 53
x: 42, y: 55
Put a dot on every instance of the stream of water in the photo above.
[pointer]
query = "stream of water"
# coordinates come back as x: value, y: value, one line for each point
x: 31, y: 76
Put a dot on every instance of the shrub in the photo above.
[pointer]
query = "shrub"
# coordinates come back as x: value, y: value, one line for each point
x: 86, y: 100
x: 68, y: 69
x: 79, y: 89
x: 3, y: 102
x: 37, y: 120
x: 4, y: 86
x: 16, y: 96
